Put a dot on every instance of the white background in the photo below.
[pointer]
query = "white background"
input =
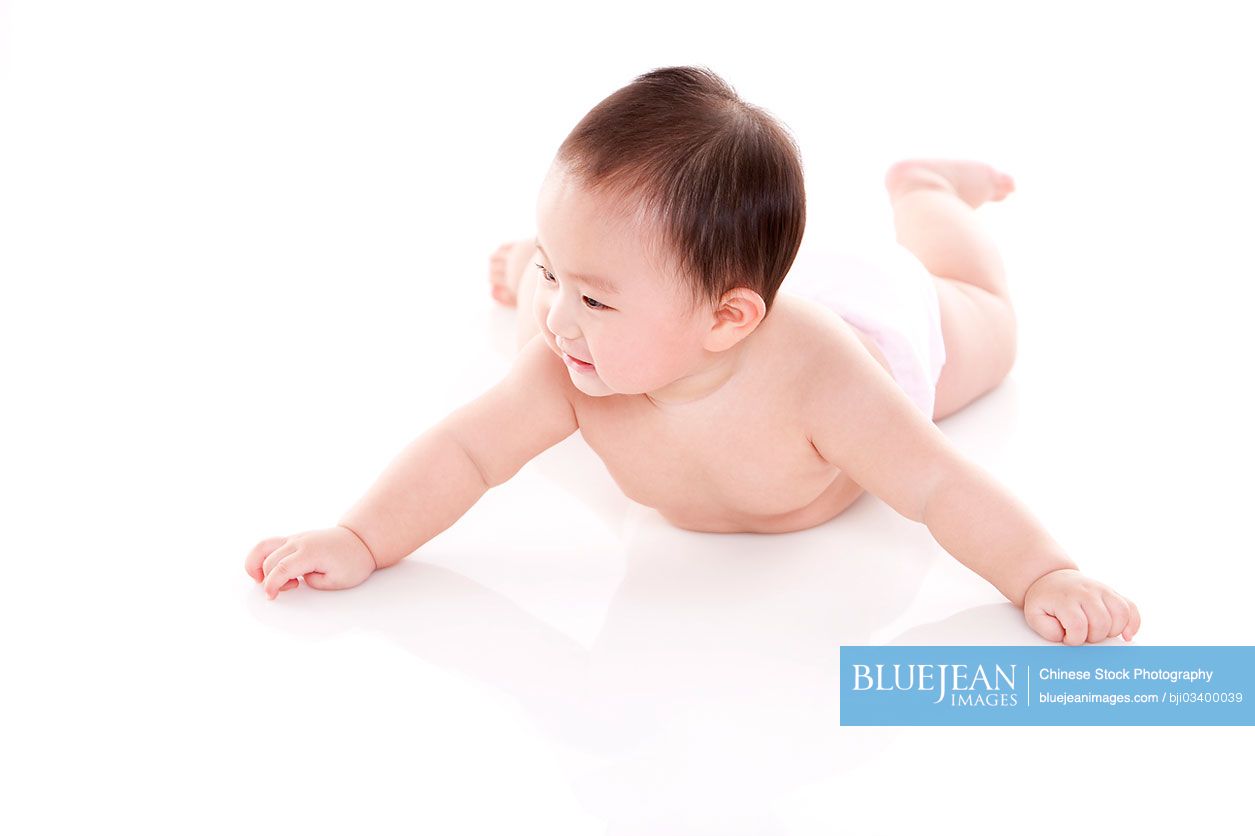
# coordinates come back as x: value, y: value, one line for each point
x: 244, y: 247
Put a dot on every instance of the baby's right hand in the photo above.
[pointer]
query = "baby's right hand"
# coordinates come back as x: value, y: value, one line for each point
x: 328, y: 558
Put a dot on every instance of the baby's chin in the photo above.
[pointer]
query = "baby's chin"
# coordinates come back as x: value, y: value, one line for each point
x: 591, y: 385
x: 594, y: 385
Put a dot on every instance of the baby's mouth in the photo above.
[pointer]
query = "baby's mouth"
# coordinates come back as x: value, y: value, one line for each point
x: 581, y: 363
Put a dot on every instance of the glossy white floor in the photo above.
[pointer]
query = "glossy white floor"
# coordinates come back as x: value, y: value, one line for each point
x: 244, y: 253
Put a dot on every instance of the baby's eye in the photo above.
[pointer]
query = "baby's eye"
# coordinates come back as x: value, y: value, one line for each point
x: 593, y: 304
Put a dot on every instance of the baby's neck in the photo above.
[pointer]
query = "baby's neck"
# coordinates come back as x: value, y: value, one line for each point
x: 700, y: 385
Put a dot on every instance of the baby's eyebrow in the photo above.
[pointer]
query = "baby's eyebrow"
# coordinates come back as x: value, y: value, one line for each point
x: 599, y: 283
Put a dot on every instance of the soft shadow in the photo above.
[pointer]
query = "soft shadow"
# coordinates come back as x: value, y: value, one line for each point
x: 711, y: 690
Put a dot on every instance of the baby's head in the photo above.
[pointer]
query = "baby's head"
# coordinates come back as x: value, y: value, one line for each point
x: 688, y: 203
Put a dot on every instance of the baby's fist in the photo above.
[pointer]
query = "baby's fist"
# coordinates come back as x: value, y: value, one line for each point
x: 327, y: 558
x: 1066, y: 606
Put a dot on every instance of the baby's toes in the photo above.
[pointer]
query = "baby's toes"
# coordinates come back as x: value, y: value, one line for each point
x: 1003, y: 185
x: 497, y: 262
x: 498, y: 265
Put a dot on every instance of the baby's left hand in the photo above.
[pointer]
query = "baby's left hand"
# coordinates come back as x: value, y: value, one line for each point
x: 1066, y: 606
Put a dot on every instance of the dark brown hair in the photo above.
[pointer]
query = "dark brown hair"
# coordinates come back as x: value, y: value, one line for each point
x: 717, y: 180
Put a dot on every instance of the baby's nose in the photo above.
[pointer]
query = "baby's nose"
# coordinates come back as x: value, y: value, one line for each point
x: 559, y: 320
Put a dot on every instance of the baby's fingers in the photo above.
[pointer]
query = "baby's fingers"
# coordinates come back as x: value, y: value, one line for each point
x: 1075, y: 624
x: 252, y: 563
x: 282, y: 576
x: 1135, y: 622
x: 1045, y: 625
x: 1097, y: 617
x: 272, y: 559
x: 1120, y: 613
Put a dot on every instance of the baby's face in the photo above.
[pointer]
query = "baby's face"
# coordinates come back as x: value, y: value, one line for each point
x: 600, y: 299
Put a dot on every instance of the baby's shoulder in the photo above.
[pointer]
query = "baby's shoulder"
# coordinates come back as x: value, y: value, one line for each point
x: 794, y: 341
x: 800, y: 333
x: 808, y: 346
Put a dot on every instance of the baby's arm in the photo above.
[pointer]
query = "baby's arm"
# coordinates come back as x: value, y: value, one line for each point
x: 865, y: 424
x: 445, y: 471
x: 434, y: 480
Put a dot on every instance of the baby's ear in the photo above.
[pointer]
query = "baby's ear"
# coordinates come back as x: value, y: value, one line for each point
x: 740, y: 311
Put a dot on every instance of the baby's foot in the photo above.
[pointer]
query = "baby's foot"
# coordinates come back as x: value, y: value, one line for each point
x: 974, y: 182
x: 505, y: 268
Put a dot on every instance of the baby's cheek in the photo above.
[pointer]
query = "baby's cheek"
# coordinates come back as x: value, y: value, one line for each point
x: 651, y: 363
x: 631, y: 377
x: 540, y: 311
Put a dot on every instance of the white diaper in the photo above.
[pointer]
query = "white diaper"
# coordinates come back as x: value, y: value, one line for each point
x: 885, y: 292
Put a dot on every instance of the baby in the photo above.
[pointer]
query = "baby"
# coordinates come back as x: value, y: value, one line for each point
x: 649, y: 320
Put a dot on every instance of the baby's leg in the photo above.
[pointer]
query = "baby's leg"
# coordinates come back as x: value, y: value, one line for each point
x: 525, y: 324
x: 512, y: 276
x: 934, y: 203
